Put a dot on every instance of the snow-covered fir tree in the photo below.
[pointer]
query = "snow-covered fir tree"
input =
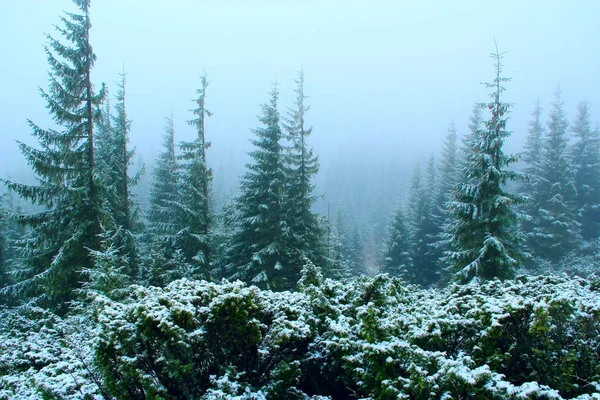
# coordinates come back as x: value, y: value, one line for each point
x: 343, y: 247
x: 104, y: 139
x: 432, y: 254
x: 483, y: 229
x: 193, y: 192
x: 110, y: 273
x: 114, y: 160
x: 533, y: 144
x: 223, y: 227
x: 13, y: 229
x: 466, y: 146
x: 11, y: 232
x: 424, y: 269
x: 258, y: 252
x: 335, y: 266
x: 301, y: 167
x: 56, y: 249
x: 586, y: 165
x: 554, y: 228
x: 352, y: 249
x: 114, y: 157
x: 533, y: 161
x: 3, y: 247
x: 162, y: 215
x: 448, y: 177
x: 397, y: 259
x: 448, y: 169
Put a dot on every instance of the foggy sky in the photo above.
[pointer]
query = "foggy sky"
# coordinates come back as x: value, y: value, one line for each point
x: 384, y: 77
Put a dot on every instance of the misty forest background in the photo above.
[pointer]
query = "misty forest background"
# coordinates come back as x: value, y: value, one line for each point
x: 121, y: 279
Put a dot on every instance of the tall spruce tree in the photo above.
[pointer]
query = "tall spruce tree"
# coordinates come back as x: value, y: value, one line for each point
x: 533, y: 160
x: 424, y: 265
x: 482, y: 231
x: 555, y: 231
x: 433, y: 229
x: 448, y: 169
x: 335, y: 266
x: 126, y: 217
x: 6, y: 240
x: 302, y: 166
x: 104, y: 139
x: 352, y: 250
x: 162, y: 214
x: 57, y: 248
x: 222, y: 229
x: 114, y: 160
x: 533, y: 144
x: 397, y: 259
x: 194, y: 187
x: 109, y: 274
x: 258, y: 252
x: 13, y: 229
x: 586, y: 164
x: 448, y: 177
x: 469, y: 140
x: 3, y: 247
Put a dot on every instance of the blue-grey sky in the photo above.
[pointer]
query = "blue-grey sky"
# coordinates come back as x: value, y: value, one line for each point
x: 384, y: 77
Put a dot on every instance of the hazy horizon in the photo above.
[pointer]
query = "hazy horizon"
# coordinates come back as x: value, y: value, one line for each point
x: 384, y: 80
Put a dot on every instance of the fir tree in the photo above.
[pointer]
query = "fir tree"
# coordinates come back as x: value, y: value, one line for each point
x: 352, y: 250
x: 194, y: 187
x: 448, y: 177
x: 162, y: 215
x: 433, y: 228
x: 475, y: 121
x: 533, y: 144
x: 104, y: 139
x: 3, y: 248
x: 109, y: 274
x: 335, y: 265
x: 469, y: 141
x: 56, y: 250
x: 163, y: 192
x: 482, y: 231
x: 258, y: 251
x: 11, y: 232
x: 533, y: 158
x: 302, y: 166
x: 328, y: 244
x: 396, y: 257
x: 114, y: 160
x: 424, y: 265
x: 343, y: 248
x: 14, y: 230
x: 222, y: 231
x: 431, y: 176
x: 122, y: 161
x: 343, y: 267
x: 586, y: 165
x: 554, y: 230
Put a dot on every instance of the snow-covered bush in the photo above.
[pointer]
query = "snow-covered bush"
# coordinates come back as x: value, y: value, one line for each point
x: 532, y: 337
x: 45, y: 357
x: 178, y: 342
x: 583, y: 262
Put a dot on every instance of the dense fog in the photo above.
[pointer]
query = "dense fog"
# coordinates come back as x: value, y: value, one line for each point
x: 313, y: 200
x: 385, y: 79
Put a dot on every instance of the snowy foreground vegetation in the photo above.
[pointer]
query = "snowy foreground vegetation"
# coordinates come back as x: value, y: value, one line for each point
x: 530, y: 337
